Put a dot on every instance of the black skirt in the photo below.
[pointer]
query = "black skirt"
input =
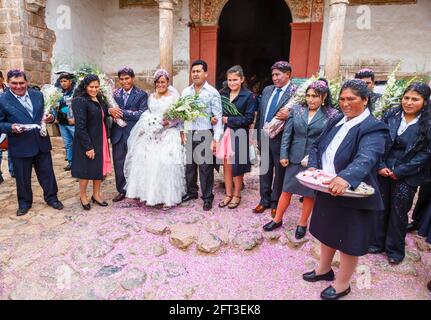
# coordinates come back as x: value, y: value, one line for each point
x: 292, y: 185
x: 348, y: 230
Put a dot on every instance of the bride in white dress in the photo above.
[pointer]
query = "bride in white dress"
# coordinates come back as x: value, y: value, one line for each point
x: 154, y: 165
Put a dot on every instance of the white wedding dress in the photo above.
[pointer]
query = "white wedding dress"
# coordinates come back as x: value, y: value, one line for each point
x: 155, y: 163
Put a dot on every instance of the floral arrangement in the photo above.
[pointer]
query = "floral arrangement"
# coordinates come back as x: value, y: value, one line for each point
x: 275, y: 126
x: 51, y: 96
x: 186, y: 108
x: 393, y: 92
x: 229, y: 109
x: 106, y: 86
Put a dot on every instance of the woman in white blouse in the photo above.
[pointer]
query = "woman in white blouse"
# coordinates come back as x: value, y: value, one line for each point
x: 350, y: 147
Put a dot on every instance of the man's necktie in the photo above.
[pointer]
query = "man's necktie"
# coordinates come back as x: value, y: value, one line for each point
x: 273, y: 106
x: 27, y: 105
x: 125, y: 98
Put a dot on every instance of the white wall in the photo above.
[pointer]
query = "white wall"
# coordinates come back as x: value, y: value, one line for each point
x: 132, y: 38
x: 111, y: 37
x: 83, y: 42
x: 397, y: 32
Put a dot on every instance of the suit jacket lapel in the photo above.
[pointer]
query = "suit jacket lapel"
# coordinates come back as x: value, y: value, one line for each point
x: 37, y: 108
x: 131, y: 97
x: 317, y: 117
x: 265, y: 100
x: 394, y: 124
x: 285, y: 97
x: 304, y: 115
x: 18, y: 105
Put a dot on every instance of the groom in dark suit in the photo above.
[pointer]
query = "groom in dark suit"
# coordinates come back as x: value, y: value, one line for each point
x: 132, y: 102
x: 19, y: 106
x: 274, y: 97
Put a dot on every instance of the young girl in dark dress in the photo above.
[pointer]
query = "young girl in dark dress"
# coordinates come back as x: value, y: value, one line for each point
x: 234, y: 149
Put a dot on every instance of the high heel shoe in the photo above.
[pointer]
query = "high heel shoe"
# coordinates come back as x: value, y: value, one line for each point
x: 102, y: 204
x: 86, y: 206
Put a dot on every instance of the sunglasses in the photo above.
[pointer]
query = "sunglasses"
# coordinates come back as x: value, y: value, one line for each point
x: 17, y: 83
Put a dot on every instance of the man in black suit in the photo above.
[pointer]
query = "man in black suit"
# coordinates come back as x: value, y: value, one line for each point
x: 22, y: 106
x: 274, y: 97
x: 132, y: 102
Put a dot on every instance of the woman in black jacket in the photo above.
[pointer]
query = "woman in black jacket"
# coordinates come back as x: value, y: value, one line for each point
x: 405, y: 166
x: 90, y: 149
x: 234, y: 150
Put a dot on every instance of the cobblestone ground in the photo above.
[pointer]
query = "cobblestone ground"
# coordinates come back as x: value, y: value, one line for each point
x: 129, y: 251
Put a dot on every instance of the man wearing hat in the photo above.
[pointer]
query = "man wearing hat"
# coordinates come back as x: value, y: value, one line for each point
x: 274, y: 97
x: 64, y: 115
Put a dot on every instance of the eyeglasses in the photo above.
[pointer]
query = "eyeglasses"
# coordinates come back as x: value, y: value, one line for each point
x: 17, y: 83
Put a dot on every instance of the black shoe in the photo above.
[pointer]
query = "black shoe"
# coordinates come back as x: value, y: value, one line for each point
x: 102, y: 204
x: 312, y: 277
x: 188, y: 198
x: 22, y: 211
x: 300, y: 232
x: 68, y: 167
x: 1, y: 179
x: 375, y: 250
x: 119, y: 197
x: 56, y: 205
x: 86, y: 206
x: 208, y: 205
x: 394, y: 261
x: 412, y: 226
x: 331, y: 294
x: 272, y: 225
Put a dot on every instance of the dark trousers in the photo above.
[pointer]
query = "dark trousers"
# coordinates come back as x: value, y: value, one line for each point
x: 42, y: 163
x: 205, y: 168
x: 271, y: 182
x: 391, y: 226
x: 424, y: 199
x: 119, y: 152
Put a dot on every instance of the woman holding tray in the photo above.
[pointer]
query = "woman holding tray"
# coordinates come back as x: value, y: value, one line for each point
x: 350, y: 147
x: 304, y: 125
x: 405, y: 166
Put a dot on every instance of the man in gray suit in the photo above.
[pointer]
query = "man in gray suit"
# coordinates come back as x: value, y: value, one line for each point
x: 274, y: 97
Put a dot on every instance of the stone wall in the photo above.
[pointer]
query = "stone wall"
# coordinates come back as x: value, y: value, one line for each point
x: 26, y: 42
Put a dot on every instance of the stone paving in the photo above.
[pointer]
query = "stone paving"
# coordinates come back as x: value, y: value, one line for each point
x: 129, y: 251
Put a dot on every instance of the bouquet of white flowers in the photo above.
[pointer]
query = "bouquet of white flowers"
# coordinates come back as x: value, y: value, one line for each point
x: 186, y: 108
x: 51, y: 96
x: 275, y: 126
x: 393, y: 93
x: 106, y: 86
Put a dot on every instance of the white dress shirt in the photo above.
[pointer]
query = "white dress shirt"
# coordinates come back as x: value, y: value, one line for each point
x: 274, y: 92
x: 25, y: 101
x: 328, y: 156
x: 404, y: 125
x: 211, y: 98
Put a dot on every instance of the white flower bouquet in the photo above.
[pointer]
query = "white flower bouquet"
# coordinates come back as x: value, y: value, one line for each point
x: 186, y: 108
x: 393, y: 93
x: 275, y: 126
x: 51, y: 96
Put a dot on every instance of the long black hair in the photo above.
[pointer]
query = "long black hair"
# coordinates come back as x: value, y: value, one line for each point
x: 424, y: 123
x: 81, y: 90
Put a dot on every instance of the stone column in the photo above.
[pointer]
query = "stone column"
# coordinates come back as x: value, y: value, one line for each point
x: 337, y: 17
x: 166, y: 34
